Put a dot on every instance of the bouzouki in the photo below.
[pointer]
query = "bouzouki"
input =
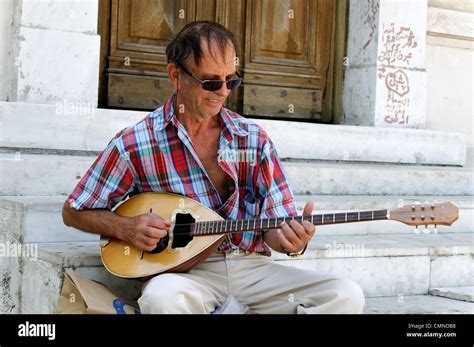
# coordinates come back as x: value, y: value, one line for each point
x: 196, y: 231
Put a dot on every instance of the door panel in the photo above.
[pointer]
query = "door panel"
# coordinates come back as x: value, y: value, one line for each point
x: 286, y: 55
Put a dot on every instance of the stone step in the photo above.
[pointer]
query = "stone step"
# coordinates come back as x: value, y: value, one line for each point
x: 416, y: 304
x: 391, y: 265
x: 386, y: 265
x: 42, y: 278
x: 41, y: 174
x: 378, y: 179
x: 465, y: 293
x: 73, y: 127
x: 37, y: 219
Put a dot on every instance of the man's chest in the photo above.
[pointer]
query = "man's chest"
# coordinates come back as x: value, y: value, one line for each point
x: 206, y: 147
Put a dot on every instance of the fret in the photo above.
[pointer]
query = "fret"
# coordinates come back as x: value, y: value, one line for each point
x: 247, y: 224
x: 372, y: 214
x: 346, y: 217
x: 254, y: 221
x: 268, y: 223
x: 322, y: 219
x: 333, y: 218
x: 312, y: 221
x: 358, y: 213
x: 261, y: 221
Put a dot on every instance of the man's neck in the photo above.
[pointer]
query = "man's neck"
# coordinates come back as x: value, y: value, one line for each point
x: 197, y: 124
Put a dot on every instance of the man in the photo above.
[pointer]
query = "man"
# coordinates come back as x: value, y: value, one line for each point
x: 177, y: 148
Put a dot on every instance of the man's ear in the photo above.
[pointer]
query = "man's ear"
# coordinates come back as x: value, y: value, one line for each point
x: 173, y: 74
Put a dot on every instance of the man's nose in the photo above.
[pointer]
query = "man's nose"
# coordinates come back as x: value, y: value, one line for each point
x: 223, y: 90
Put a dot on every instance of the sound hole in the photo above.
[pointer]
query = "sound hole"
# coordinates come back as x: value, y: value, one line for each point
x: 182, y: 230
x: 181, y: 233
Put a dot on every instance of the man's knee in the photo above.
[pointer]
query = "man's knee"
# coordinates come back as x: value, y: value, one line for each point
x: 350, y: 296
x: 170, y: 293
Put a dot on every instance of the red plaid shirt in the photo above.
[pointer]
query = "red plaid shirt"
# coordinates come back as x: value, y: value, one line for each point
x: 157, y: 155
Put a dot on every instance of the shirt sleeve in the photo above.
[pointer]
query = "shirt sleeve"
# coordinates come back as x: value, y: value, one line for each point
x: 276, y: 196
x: 105, y: 183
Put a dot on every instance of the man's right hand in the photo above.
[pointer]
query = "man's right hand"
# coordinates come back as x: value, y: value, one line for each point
x: 145, y: 231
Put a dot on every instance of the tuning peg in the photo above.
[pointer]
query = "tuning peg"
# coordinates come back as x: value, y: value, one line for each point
x: 415, y: 230
x: 435, y: 229
x: 426, y: 230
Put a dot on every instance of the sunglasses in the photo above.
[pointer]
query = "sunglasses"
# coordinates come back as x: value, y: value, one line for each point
x: 213, y: 85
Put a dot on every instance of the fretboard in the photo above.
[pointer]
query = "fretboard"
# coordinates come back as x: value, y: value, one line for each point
x: 237, y: 226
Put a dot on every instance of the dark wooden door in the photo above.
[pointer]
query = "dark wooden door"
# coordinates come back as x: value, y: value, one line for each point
x: 286, y: 50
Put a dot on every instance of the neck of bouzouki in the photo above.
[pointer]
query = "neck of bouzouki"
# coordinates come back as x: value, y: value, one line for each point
x: 237, y: 226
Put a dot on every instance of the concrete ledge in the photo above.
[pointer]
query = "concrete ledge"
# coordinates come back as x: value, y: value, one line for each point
x: 391, y: 245
x: 465, y: 293
x: 353, y: 179
x: 71, y: 126
x: 40, y: 220
x: 386, y: 266
x: 35, y: 174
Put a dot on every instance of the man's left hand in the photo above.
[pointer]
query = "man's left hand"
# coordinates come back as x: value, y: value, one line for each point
x: 294, y: 236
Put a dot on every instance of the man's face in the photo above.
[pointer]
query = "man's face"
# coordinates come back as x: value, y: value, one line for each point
x: 216, y: 66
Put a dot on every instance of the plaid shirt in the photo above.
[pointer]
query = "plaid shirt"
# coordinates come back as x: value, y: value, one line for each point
x: 157, y: 155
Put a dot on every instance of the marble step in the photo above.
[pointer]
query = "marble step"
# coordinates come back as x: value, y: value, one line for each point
x: 390, y: 265
x: 74, y: 127
x: 58, y: 174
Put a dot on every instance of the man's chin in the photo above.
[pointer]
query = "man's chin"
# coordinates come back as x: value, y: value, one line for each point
x: 212, y: 110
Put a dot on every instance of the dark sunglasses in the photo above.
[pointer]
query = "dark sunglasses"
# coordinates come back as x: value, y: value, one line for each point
x: 212, y: 85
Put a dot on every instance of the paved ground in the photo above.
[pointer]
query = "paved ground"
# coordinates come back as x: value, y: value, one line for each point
x: 417, y: 304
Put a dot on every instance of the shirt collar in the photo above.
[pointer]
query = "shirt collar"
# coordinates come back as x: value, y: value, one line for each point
x: 230, y: 125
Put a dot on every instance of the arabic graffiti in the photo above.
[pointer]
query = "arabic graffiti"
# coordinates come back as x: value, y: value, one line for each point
x: 396, y: 53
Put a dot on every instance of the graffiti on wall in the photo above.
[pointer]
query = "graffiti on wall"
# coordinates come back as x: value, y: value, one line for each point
x: 396, y: 52
x: 370, y: 19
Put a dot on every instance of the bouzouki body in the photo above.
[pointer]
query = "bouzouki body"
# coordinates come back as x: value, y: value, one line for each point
x: 124, y: 260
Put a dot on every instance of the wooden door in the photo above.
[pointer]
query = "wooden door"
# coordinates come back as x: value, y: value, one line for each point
x: 286, y: 51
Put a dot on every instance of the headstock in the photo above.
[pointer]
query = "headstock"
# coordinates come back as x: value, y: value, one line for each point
x: 445, y: 213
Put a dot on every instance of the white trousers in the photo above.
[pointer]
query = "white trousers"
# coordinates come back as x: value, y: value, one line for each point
x: 255, y: 280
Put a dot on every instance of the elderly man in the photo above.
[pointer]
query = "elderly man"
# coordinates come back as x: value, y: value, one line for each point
x: 177, y: 149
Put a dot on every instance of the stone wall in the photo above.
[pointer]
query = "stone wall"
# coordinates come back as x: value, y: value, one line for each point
x: 449, y: 63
